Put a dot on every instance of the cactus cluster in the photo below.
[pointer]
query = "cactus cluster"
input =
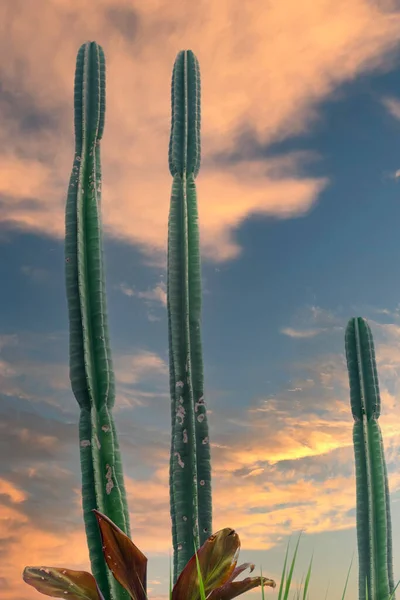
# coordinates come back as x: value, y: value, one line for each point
x: 118, y: 566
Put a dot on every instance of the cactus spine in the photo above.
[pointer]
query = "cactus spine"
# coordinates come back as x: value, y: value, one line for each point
x: 190, y: 468
x: 91, y: 370
x: 374, y: 535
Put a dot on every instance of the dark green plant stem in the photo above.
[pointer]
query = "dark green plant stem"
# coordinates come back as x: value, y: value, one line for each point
x: 190, y: 468
x: 374, y: 534
x: 91, y: 369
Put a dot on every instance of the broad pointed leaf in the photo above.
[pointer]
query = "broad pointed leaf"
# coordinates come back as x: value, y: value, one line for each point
x: 217, y: 559
x: 232, y: 589
x: 126, y: 562
x: 62, y: 583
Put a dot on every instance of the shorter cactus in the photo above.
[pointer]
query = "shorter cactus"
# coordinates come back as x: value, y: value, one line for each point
x: 374, y: 533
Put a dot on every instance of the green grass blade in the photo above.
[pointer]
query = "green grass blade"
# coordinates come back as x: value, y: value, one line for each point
x: 262, y: 585
x: 170, y: 578
x: 289, y: 579
x: 347, y: 580
x: 326, y: 595
x: 307, y: 581
x: 201, y: 582
x: 392, y: 594
x: 283, y: 573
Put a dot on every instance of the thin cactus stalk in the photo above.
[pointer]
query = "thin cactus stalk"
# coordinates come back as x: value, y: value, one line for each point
x: 91, y: 369
x: 190, y: 465
x: 374, y: 534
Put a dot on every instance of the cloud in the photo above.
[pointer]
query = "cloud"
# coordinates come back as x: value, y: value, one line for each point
x: 132, y: 369
x: 152, y: 297
x: 35, y: 273
x: 263, y: 71
x: 393, y: 106
x: 317, y: 319
x: 157, y: 294
x: 305, y: 333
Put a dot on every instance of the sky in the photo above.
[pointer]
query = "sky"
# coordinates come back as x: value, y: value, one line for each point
x: 299, y: 204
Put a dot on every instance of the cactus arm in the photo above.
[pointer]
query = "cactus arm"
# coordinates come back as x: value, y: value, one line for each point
x: 373, y: 508
x: 91, y: 369
x: 190, y: 471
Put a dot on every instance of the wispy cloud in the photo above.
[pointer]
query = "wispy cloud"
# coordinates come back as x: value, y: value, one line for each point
x: 132, y: 369
x: 314, y: 321
x: 37, y: 274
x: 392, y: 105
x: 153, y: 297
x: 301, y: 333
x: 157, y: 294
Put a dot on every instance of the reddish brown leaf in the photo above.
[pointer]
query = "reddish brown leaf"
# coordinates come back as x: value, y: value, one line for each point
x: 217, y: 559
x: 232, y: 589
x: 62, y: 583
x: 125, y: 560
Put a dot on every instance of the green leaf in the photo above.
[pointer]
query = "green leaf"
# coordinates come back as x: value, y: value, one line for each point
x: 62, y: 583
x: 217, y: 560
x: 126, y: 562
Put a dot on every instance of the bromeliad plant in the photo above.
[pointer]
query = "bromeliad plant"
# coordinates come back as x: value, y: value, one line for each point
x: 209, y: 573
x: 118, y: 567
x: 374, y: 529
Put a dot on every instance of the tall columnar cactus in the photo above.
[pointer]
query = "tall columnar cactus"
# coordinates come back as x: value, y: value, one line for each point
x: 190, y: 468
x: 91, y: 370
x: 374, y: 533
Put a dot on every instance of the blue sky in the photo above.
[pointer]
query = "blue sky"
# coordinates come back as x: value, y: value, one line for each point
x: 298, y: 196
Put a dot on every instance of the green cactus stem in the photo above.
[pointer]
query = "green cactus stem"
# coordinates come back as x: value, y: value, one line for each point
x: 190, y: 466
x: 91, y: 369
x: 374, y: 533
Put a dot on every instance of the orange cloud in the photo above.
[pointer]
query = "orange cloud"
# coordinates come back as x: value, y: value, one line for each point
x: 264, y: 70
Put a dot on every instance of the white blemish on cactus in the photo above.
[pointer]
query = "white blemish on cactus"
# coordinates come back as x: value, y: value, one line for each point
x: 202, y: 482
x: 200, y: 418
x: 200, y: 402
x: 181, y: 399
x: 180, y: 414
x: 184, y: 518
x: 110, y: 483
x: 85, y: 443
x: 46, y: 570
x: 97, y: 441
x: 105, y: 428
x: 180, y: 547
x: 185, y: 436
x: 179, y: 384
x: 205, y: 441
x: 180, y: 461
